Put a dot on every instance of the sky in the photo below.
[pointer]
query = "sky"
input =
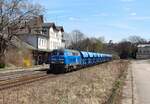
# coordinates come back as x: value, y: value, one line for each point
x: 111, y: 19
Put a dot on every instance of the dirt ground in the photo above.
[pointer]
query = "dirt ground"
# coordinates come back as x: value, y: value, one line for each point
x: 91, y: 85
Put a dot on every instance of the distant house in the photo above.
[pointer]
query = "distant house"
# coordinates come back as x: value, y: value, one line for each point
x: 143, y: 51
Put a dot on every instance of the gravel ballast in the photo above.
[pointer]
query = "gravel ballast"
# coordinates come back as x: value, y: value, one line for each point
x: 91, y: 85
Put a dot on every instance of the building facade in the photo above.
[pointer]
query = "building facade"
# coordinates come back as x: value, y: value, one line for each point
x: 143, y: 51
x: 55, y: 34
x: 44, y: 37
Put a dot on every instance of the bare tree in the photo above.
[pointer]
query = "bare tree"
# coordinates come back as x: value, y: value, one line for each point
x: 78, y: 41
x: 67, y: 38
x: 77, y: 36
x: 14, y: 14
x: 136, y: 39
x: 74, y: 38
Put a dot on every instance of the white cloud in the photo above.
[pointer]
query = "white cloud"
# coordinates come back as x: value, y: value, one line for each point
x: 122, y: 26
x: 73, y: 18
x: 127, y: 9
x: 133, y: 14
x: 104, y: 14
x: 140, y: 18
x: 101, y: 14
x: 78, y: 19
x: 127, y: 0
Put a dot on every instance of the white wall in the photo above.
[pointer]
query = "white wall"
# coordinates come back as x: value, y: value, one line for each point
x: 42, y: 43
x: 55, y: 39
x: 30, y: 39
x: 53, y: 42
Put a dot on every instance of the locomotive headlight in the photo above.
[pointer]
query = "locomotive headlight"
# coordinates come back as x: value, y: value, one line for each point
x: 61, y: 62
x: 52, y: 62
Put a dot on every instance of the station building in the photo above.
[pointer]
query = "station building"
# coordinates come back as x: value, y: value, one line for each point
x: 42, y: 37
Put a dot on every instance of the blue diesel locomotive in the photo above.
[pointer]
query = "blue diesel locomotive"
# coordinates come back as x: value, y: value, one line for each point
x: 65, y: 60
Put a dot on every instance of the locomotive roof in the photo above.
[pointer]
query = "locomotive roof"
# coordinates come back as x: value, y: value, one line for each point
x: 84, y: 53
x: 68, y: 50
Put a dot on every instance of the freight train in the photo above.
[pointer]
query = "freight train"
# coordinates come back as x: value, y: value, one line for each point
x: 66, y: 60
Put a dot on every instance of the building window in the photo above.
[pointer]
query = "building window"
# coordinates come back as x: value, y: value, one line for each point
x: 39, y: 42
x: 44, y: 31
x: 43, y: 42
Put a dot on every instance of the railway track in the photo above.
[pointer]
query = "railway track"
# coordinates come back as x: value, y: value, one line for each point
x: 19, y: 79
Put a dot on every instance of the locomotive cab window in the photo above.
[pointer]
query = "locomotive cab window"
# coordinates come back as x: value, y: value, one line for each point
x: 75, y: 53
x: 54, y: 53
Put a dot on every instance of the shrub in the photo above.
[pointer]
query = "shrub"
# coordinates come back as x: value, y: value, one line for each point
x: 2, y: 65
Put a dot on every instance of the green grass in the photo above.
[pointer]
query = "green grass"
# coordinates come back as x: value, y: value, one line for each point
x: 117, y: 89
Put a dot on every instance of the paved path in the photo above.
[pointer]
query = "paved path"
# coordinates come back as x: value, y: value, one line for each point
x: 141, y: 77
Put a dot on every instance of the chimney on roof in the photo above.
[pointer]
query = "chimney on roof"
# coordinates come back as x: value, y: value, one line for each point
x: 41, y: 17
x: 37, y: 21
